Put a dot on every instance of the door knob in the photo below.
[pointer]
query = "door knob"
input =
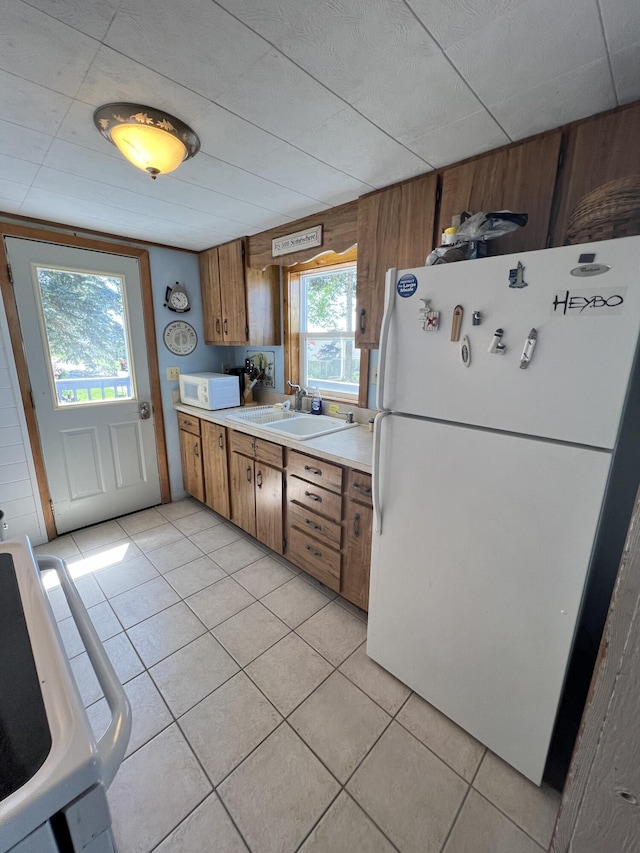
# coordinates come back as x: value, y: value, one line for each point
x: 144, y: 410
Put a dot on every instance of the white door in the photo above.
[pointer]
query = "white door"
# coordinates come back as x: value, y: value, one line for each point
x: 478, y: 573
x: 82, y: 325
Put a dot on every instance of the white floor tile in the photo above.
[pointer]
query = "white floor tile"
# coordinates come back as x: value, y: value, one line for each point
x: 409, y: 793
x: 250, y: 632
x: 191, y: 673
x: 481, y: 828
x: 333, y: 632
x: 207, y: 827
x: 123, y: 576
x: 139, y: 521
x: 194, y: 576
x: 173, y: 555
x: 219, y: 601
x: 278, y: 793
x: 143, y: 601
x: 165, y: 633
x: 154, y: 790
x: 295, y: 601
x: 226, y: 726
x: 263, y: 576
x: 376, y: 682
x: 345, y: 828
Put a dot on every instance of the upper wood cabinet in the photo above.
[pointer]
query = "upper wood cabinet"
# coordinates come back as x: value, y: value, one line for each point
x: 598, y: 150
x: 395, y: 229
x: 240, y: 306
x: 519, y: 178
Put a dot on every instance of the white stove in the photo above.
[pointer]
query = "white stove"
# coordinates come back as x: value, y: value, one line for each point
x: 53, y: 774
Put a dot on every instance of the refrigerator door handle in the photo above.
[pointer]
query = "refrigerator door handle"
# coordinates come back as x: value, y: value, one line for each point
x: 389, y: 302
x: 377, y: 505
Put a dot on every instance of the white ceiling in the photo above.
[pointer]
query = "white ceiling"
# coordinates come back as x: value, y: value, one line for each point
x: 299, y: 104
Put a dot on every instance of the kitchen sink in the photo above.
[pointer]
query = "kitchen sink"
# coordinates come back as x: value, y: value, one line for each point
x: 296, y: 424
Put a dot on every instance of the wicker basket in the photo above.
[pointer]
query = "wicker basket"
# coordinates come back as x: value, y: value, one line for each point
x: 608, y: 212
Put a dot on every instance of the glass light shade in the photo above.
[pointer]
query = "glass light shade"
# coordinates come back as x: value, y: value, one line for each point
x: 151, y: 139
x: 149, y: 148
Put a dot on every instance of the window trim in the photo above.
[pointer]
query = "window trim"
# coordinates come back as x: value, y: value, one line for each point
x: 292, y: 336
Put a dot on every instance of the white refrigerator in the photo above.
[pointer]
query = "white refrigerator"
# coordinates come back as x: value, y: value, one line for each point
x: 502, y: 385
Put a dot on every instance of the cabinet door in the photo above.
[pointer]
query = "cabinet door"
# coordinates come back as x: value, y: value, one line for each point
x: 210, y: 294
x: 243, y: 502
x: 354, y: 581
x: 233, y: 293
x: 599, y: 150
x: 191, y: 459
x: 520, y: 178
x: 215, y: 468
x: 395, y: 229
x: 269, y: 507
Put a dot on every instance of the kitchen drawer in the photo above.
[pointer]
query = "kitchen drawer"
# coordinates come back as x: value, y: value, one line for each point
x: 319, y: 560
x: 359, y: 487
x: 240, y: 442
x: 314, y: 498
x: 329, y: 532
x: 257, y: 448
x: 269, y: 453
x: 189, y: 423
x: 315, y: 470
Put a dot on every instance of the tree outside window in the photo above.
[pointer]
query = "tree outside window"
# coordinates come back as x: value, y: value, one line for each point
x: 328, y: 357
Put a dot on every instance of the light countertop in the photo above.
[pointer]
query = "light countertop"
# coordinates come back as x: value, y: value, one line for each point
x: 351, y: 447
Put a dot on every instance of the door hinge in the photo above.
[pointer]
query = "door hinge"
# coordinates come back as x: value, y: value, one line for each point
x: 9, y: 273
x: 246, y: 333
x: 284, y: 545
x: 33, y: 405
x: 53, y: 510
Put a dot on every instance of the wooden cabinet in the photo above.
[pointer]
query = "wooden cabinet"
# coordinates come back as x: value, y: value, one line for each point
x: 395, y: 229
x: 240, y: 306
x: 314, y: 496
x: 255, y: 474
x: 358, y: 528
x: 215, y: 467
x: 520, y: 178
x: 191, y: 455
x: 598, y: 150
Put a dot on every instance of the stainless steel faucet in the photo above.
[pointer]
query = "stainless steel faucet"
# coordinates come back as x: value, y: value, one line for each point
x: 300, y: 393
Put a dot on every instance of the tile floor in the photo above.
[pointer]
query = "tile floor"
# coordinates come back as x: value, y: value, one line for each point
x: 259, y: 723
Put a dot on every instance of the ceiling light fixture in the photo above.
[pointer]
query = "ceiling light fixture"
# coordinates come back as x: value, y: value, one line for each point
x: 151, y: 139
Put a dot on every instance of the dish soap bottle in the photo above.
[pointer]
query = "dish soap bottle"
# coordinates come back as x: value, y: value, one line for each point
x: 316, y: 403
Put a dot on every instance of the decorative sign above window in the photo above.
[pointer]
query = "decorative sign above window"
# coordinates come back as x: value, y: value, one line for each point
x: 297, y: 241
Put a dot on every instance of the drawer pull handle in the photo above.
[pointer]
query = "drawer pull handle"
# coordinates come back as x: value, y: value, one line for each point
x: 313, y: 497
x: 356, y: 524
x: 224, y: 326
x: 311, y: 470
x: 312, y: 551
x: 218, y: 325
x: 311, y: 524
x: 361, y: 490
x: 220, y: 442
x: 259, y: 479
x: 248, y: 474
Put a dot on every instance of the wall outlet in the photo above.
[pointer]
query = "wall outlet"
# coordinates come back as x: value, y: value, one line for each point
x: 173, y: 373
x: 334, y: 408
x: 374, y: 376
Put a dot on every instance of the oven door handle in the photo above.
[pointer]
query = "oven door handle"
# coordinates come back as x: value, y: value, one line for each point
x: 113, y: 743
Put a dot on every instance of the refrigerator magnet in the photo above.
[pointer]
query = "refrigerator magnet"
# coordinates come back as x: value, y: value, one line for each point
x: 429, y: 319
x: 516, y: 276
x: 465, y: 352
x: 456, y: 323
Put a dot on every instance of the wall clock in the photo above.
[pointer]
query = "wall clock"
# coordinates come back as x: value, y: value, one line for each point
x: 176, y: 298
x: 180, y: 338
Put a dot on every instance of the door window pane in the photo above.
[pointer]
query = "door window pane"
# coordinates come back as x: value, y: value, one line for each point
x: 84, y: 322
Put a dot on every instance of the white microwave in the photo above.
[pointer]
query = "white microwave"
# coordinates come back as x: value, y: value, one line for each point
x: 209, y: 390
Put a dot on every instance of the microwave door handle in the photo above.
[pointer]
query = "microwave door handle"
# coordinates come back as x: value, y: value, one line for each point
x: 113, y: 743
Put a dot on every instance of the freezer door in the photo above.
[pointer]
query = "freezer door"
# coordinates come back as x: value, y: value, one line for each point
x: 477, y: 577
x: 586, y: 329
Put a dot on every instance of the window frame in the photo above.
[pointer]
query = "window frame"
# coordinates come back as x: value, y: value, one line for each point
x: 292, y: 334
